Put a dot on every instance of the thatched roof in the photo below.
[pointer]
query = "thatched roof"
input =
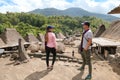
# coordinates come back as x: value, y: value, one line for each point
x: 115, y: 10
x: 10, y: 36
x: 99, y: 31
x: 60, y: 36
x: 113, y: 32
x: 2, y: 44
x: 31, y: 38
x: 41, y: 37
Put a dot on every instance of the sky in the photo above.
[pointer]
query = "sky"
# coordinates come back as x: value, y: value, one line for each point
x: 97, y: 6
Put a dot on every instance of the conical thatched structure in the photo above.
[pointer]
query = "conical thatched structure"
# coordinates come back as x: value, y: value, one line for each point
x: 113, y: 32
x: 10, y: 36
x: 60, y: 36
x: 99, y: 31
x: 41, y: 37
x: 2, y: 44
x: 115, y: 10
x: 31, y: 38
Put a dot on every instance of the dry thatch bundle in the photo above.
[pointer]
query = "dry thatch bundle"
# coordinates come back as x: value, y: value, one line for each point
x: 10, y: 36
x: 113, y: 32
x: 31, y: 38
x: 99, y: 31
x: 41, y: 37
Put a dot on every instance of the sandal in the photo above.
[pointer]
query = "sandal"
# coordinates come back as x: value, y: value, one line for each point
x: 88, y: 77
x: 51, y: 67
x: 48, y: 68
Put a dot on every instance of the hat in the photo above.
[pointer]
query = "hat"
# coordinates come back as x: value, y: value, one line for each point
x: 86, y: 23
x: 50, y: 27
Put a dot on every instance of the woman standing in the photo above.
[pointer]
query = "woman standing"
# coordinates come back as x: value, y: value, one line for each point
x: 50, y: 46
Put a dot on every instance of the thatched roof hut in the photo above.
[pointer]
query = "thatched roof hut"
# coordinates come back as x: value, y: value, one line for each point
x: 99, y: 31
x: 115, y: 10
x: 60, y: 36
x: 10, y: 36
x: 113, y: 32
x: 41, y: 37
x: 31, y: 38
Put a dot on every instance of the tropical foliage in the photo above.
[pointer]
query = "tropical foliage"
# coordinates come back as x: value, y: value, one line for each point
x: 36, y: 23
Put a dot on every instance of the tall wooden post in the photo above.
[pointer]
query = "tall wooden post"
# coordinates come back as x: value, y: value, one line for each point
x: 21, y: 51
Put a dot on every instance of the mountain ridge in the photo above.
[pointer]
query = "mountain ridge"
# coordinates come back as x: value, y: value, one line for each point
x: 73, y: 12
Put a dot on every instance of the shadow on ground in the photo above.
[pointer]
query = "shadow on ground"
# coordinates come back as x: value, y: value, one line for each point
x: 78, y: 76
x: 12, y: 63
x: 37, y: 75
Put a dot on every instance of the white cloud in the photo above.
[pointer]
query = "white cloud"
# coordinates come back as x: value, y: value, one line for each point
x: 99, y: 7
x: 28, y: 5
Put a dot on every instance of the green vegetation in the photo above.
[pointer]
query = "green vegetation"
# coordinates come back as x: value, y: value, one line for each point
x: 35, y: 23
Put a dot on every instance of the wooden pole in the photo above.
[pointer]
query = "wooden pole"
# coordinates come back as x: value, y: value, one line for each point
x: 21, y: 51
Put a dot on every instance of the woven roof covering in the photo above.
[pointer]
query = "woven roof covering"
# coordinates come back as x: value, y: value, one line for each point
x: 113, y: 32
x: 115, y: 10
x: 31, y: 38
x: 10, y: 36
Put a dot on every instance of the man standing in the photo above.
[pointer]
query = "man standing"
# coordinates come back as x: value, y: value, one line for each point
x: 85, y: 48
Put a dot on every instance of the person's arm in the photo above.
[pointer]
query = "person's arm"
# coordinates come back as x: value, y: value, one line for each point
x: 55, y: 43
x: 46, y: 38
x: 89, y: 40
x: 88, y: 44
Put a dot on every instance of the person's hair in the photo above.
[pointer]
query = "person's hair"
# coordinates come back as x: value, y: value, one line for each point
x: 86, y: 23
x: 46, y: 35
x: 47, y: 30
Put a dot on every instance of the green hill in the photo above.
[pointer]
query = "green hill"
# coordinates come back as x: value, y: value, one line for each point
x: 73, y: 12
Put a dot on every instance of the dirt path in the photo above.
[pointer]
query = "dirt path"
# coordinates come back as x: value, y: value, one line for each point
x: 36, y: 70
